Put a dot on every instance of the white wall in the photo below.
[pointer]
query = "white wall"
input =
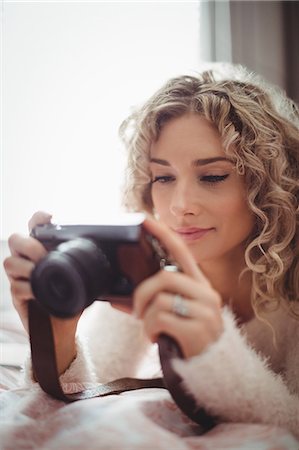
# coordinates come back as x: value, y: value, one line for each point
x: 71, y: 71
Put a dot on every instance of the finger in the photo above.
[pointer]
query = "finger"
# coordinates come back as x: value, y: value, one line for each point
x: 27, y: 247
x: 39, y: 218
x: 191, y: 335
x: 165, y: 302
x: 176, y: 247
x: 123, y: 308
x: 17, y: 267
x: 193, y: 310
x: 20, y: 291
x: 174, y: 283
x: 170, y: 325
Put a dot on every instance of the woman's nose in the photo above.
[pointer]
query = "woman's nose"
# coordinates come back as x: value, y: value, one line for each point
x: 185, y: 200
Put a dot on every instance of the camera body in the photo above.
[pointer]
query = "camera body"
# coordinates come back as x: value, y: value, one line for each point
x: 92, y: 262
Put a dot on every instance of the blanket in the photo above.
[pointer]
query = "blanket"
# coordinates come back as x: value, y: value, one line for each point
x: 147, y: 419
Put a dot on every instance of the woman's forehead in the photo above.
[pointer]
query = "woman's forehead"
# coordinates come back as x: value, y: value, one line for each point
x: 192, y: 135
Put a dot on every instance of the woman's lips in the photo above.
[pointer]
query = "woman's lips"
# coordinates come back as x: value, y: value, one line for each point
x: 192, y: 233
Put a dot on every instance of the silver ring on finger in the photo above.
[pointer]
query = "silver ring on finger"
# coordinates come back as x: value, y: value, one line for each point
x: 179, y: 306
x: 168, y: 267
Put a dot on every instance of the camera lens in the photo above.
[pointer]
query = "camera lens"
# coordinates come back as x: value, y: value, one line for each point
x: 59, y: 287
x: 69, y: 278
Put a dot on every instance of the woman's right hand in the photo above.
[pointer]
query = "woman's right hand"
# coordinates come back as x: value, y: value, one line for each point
x: 25, y: 254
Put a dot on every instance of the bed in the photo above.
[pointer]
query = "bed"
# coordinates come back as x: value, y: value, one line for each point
x: 145, y: 419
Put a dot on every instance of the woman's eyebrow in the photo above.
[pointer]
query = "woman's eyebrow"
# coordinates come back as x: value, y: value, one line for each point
x: 203, y: 162
x: 163, y: 162
x: 195, y: 163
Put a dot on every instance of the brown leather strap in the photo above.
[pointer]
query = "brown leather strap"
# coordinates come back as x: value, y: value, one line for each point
x: 168, y: 349
x: 45, y: 367
x: 45, y: 370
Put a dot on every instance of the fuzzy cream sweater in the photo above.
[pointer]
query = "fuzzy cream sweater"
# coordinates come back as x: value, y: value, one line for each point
x: 243, y: 377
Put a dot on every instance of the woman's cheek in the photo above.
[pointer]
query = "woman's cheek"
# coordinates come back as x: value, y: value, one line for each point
x: 236, y: 217
x: 161, y: 202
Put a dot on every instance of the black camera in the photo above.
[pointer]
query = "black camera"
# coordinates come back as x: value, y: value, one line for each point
x: 92, y: 262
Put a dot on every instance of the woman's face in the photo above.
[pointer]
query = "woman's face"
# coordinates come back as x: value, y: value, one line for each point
x: 196, y: 190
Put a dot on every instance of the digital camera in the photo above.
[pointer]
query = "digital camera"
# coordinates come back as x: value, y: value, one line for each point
x: 92, y: 262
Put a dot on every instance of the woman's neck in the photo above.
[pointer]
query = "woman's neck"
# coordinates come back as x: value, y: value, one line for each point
x: 235, y: 292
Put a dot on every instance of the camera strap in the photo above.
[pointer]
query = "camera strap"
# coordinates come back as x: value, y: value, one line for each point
x: 45, y: 370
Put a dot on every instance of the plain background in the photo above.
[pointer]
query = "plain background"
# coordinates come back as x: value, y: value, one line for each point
x: 71, y: 72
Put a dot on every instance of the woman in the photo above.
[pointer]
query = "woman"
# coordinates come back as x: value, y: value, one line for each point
x: 216, y: 159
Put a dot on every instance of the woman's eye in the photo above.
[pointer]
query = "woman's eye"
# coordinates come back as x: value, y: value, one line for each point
x: 162, y: 179
x: 213, y: 178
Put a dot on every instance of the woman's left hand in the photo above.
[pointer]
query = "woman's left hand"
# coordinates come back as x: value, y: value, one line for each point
x: 183, y: 304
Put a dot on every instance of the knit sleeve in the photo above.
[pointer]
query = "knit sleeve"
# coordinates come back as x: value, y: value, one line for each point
x: 109, y: 345
x: 234, y: 383
x: 79, y: 375
x: 116, y: 342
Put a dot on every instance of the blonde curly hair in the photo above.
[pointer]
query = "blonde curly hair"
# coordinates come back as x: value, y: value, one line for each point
x: 259, y: 127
